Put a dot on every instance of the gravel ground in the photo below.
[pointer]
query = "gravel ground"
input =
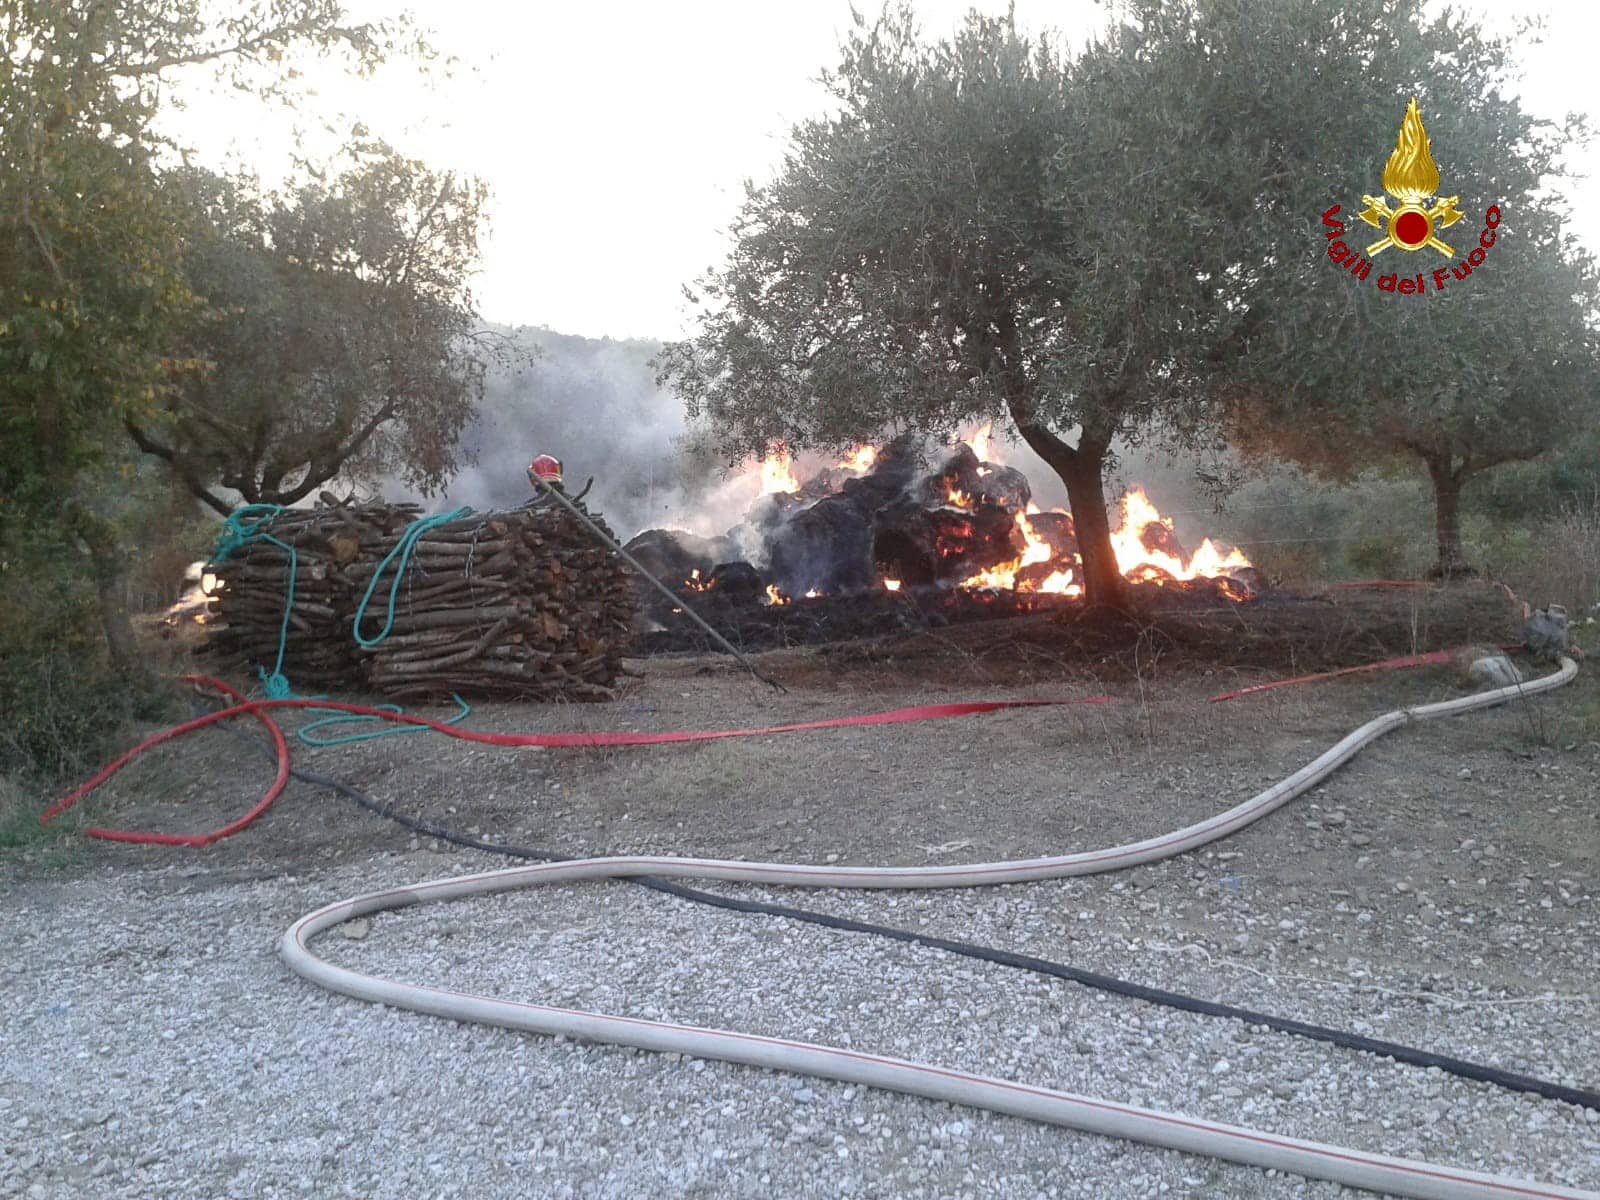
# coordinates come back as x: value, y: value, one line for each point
x: 1441, y: 892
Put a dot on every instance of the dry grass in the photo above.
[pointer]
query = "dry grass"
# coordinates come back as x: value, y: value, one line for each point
x: 1281, y: 635
x: 1559, y: 561
x: 21, y: 832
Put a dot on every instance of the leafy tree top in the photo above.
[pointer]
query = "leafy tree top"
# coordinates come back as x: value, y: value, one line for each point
x: 956, y: 239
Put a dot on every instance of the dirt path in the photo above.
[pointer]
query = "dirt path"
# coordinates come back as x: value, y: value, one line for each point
x: 1459, y: 859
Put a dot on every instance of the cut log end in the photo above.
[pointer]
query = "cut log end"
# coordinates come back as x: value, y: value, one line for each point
x: 520, y: 605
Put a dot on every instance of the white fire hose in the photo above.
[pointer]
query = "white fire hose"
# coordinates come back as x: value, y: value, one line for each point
x: 1354, y: 1168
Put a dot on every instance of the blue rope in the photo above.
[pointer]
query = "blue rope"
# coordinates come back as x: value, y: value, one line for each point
x: 247, y: 525
x: 404, y: 547
x: 304, y: 734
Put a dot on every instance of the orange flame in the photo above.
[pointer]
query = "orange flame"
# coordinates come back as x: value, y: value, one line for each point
x: 981, y: 442
x: 1036, y: 550
x: 859, y: 460
x: 1136, y: 561
x: 891, y: 585
x: 192, y: 604
x: 774, y: 596
x: 777, y: 472
x: 1127, y: 539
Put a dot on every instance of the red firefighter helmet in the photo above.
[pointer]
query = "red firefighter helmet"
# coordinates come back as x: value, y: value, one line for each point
x: 546, y: 467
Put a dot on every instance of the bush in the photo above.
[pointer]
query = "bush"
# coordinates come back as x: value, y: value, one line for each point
x: 65, y: 716
x: 1554, y: 559
x: 65, y: 708
x: 1544, y: 487
x: 1303, y: 532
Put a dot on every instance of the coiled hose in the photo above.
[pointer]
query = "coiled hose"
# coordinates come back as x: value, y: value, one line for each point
x: 1353, y: 1168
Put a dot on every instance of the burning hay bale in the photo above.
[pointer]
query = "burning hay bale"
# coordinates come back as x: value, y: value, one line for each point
x: 520, y: 604
x: 825, y: 548
x: 880, y: 521
x: 681, y: 559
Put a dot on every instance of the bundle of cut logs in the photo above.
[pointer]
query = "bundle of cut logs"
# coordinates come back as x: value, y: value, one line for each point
x: 516, y: 604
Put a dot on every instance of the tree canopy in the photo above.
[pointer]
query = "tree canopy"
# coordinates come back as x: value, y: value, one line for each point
x: 89, y: 235
x: 1503, y: 372
x: 92, y: 288
x: 335, y: 334
x: 1330, y: 371
x: 1093, y: 247
x: 955, y: 242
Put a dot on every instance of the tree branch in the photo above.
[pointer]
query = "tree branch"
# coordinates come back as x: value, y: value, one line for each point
x: 322, y: 468
x: 169, y: 456
x: 277, y: 35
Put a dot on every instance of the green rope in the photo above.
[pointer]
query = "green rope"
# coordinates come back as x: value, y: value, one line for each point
x: 245, y: 526
x: 404, y: 547
x: 304, y: 734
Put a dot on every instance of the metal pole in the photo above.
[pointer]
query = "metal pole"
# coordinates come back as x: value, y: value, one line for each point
x: 607, y: 540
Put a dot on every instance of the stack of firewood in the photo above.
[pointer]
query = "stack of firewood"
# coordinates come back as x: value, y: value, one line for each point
x: 245, y: 616
x: 519, y: 604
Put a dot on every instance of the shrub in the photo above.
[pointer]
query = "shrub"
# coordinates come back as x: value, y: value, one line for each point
x: 64, y: 706
x: 1555, y: 559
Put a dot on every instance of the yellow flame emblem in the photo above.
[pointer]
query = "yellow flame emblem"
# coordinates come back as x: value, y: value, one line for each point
x: 1411, y: 176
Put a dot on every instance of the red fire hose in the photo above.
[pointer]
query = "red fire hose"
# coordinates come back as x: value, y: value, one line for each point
x: 186, y: 839
x: 257, y: 708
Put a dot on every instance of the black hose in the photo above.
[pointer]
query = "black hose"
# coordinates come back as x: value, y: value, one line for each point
x: 1510, y: 1080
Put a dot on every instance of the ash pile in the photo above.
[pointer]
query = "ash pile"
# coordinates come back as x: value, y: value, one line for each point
x: 515, y: 604
x: 887, y: 545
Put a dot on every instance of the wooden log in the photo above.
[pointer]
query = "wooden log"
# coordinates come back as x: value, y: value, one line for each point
x: 272, y: 572
x: 503, y: 563
x: 515, y: 604
x: 428, y: 548
x: 471, y: 652
x: 470, y: 591
x: 445, y: 618
x: 453, y: 647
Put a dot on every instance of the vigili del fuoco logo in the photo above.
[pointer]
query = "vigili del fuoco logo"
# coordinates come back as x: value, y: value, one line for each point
x: 1412, y: 178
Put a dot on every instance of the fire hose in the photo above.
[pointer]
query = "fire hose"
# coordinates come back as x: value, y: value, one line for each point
x: 1400, y: 1053
x: 1350, y: 1167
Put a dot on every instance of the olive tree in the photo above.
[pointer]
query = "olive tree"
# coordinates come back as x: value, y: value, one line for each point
x: 91, y: 286
x: 336, y: 336
x: 1126, y: 243
x: 973, y: 233
x: 1494, y: 360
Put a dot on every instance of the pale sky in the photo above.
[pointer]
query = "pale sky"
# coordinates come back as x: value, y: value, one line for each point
x: 616, y: 135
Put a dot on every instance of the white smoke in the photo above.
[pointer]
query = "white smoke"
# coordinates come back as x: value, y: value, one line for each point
x: 594, y: 404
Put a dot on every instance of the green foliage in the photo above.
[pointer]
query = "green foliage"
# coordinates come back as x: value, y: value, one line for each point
x: 92, y: 299
x: 867, y: 279
x: 1330, y: 372
x: 1549, y: 559
x: 64, y: 704
x: 937, y: 250
x: 1566, y: 477
x: 336, y: 337
x: 87, y: 259
x: 89, y: 237
x: 1303, y: 533
x: 1095, y: 246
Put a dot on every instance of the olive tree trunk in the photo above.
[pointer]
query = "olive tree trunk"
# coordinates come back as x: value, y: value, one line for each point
x: 1082, y: 469
x: 1447, y: 481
